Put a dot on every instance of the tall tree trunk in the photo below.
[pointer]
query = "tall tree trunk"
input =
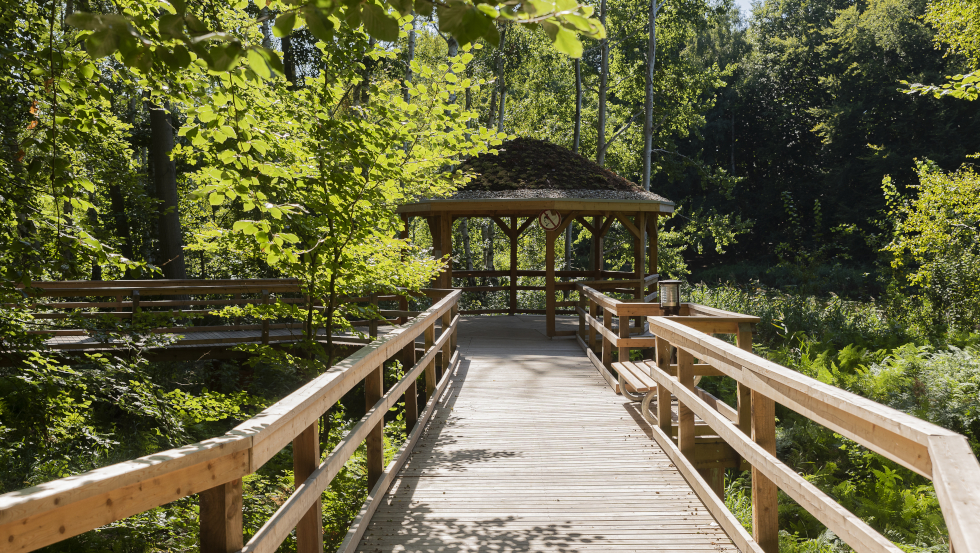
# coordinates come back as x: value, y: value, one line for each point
x: 733, y: 142
x: 500, y: 78
x: 576, y: 142
x: 648, y: 104
x: 289, y: 61
x: 452, y: 50
x: 165, y: 181
x: 600, y: 156
x: 409, y: 59
x: 266, y: 28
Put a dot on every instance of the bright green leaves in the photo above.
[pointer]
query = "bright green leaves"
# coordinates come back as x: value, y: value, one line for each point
x: 963, y: 87
x: 285, y: 24
x: 378, y: 23
x: 265, y: 62
x: 565, y: 41
x: 467, y: 23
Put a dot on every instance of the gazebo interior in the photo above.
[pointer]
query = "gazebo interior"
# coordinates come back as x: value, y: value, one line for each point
x: 535, y: 182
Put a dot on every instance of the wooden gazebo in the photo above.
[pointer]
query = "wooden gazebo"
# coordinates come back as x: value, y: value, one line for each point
x: 524, y: 180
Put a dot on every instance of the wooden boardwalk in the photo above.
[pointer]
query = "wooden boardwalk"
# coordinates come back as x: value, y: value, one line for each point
x: 530, y: 450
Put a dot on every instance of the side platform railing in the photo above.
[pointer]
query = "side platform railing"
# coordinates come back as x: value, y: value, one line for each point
x: 34, y: 517
x: 702, y: 435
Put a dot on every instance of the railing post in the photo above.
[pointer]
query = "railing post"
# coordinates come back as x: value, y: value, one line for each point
x: 373, y: 390
x: 306, y: 458
x: 685, y: 416
x: 454, y: 338
x: 623, y: 353
x: 373, y: 323
x: 744, y: 341
x: 663, y: 396
x: 607, y: 319
x: 136, y: 301
x: 762, y: 418
x: 221, y: 518
x: 593, y: 312
x: 447, y: 348
x: 265, y: 321
x: 430, y: 369
x: 411, y: 393
x: 581, y: 318
x: 403, y: 305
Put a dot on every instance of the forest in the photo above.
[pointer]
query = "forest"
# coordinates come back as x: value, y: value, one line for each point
x: 821, y: 155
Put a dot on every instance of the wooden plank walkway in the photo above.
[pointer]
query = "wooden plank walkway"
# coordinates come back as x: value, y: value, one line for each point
x: 530, y: 450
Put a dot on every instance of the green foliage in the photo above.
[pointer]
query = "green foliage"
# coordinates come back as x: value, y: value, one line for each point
x: 934, y: 245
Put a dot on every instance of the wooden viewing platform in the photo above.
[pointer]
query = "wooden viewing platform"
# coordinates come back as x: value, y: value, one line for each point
x: 526, y: 443
x: 529, y: 450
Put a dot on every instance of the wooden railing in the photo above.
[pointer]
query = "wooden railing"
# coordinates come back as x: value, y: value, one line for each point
x: 621, y: 283
x: 122, y: 299
x: 34, y: 517
x: 683, y: 350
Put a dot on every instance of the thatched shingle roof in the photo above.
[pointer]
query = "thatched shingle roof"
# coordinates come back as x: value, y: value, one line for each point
x: 530, y: 168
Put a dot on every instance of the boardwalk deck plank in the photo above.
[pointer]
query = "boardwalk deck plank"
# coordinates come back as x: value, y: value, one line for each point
x: 533, y: 452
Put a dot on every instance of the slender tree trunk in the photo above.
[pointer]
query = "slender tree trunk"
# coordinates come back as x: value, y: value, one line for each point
x: 452, y: 50
x: 733, y: 142
x: 600, y: 156
x: 165, y: 181
x: 500, y: 78
x: 266, y: 29
x: 648, y: 105
x: 289, y: 61
x: 409, y: 59
x: 576, y: 142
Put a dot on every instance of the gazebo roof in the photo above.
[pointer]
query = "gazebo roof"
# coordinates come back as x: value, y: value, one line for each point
x: 527, y: 168
x: 528, y: 176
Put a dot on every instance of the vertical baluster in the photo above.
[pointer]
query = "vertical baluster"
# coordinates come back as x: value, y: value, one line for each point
x: 453, y: 312
x: 762, y: 419
x: 623, y: 353
x: 306, y: 458
x: 447, y: 348
x: 593, y: 312
x: 685, y: 417
x: 663, y: 396
x: 373, y: 390
x: 430, y: 369
x: 411, y: 393
x: 221, y: 518
x: 607, y: 322
x: 265, y: 321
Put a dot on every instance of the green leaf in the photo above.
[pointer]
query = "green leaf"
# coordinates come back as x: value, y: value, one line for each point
x: 404, y: 7
x: 258, y: 64
x: 102, y: 43
x: 216, y: 199
x: 171, y: 26
x: 568, y: 43
x: 378, y: 23
x: 319, y: 23
x: 223, y: 57
x: 285, y: 24
x: 424, y: 8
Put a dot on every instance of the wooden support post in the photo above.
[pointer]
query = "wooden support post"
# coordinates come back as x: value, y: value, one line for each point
x: 653, y: 256
x: 597, y: 248
x: 412, y: 393
x: 685, y: 416
x: 447, y: 348
x: 623, y: 354
x: 454, y: 337
x: 514, y: 241
x: 594, y: 312
x: 306, y: 458
x: 744, y: 340
x: 549, y: 280
x: 136, y: 301
x: 446, y: 230
x: 663, y: 396
x: 430, y: 370
x: 581, y: 319
x: 765, y: 510
x: 607, y: 321
x: 119, y: 304
x: 403, y: 306
x: 373, y: 323
x: 373, y: 390
x: 221, y: 518
x: 265, y: 322
x: 640, y: 261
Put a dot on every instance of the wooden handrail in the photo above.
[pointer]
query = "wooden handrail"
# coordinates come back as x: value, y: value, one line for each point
x: 34, y: 517
x: 925, y: 448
